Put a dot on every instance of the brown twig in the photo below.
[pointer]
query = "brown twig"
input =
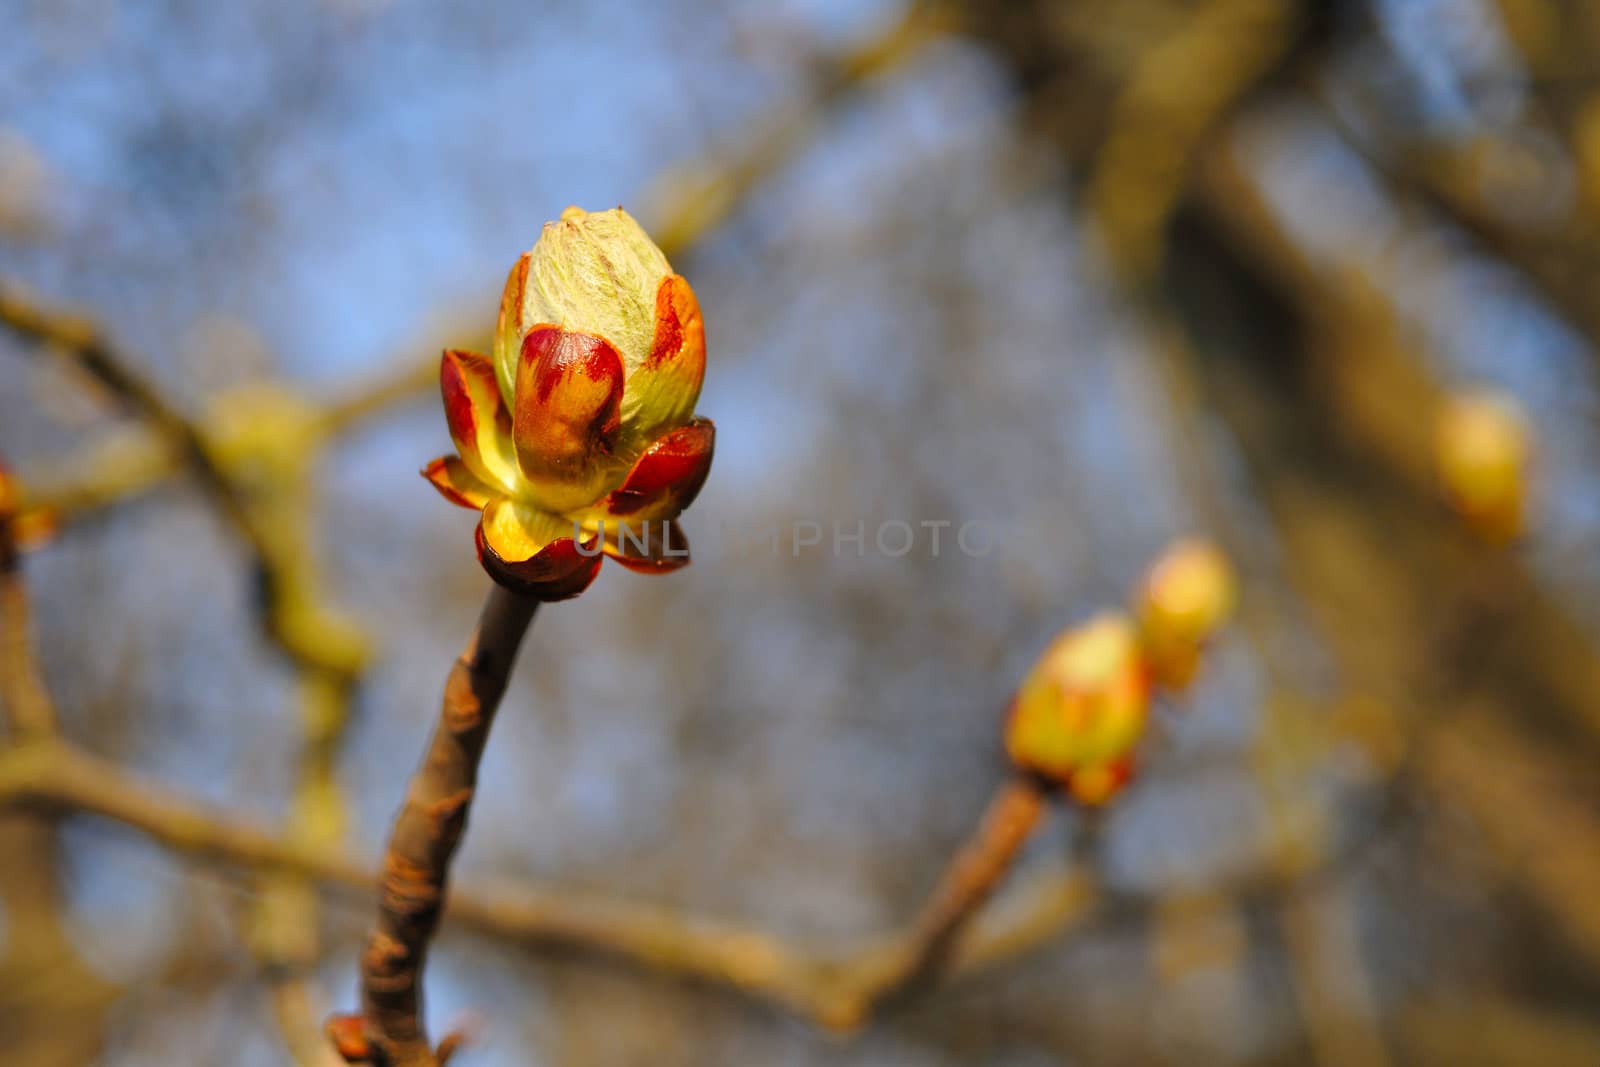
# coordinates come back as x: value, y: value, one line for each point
x: 28, y: 712
x: 973, y: 875
x: 968, y: 881
x: 40, y: 942
x: 416, y: 865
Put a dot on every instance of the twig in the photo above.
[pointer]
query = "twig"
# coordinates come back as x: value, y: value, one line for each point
x: 1224, y: 50
x: 1529, y: 805
x: 111, y: 471
x: 54, y: 778
x: 1330, y: 982
x: 81, y: 341
x: 1556, y: 262
x: 40, y: 943
x: 286, y: 919
x: 28, y: 712
x: 968, y: 881
x: 412, y: 380
x: 416, y: 866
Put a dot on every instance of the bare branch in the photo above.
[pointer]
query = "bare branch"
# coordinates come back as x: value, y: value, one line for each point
x: 969, y: 880
x: 28, y: 711
x: 416, y: 865
x: 79, y: 340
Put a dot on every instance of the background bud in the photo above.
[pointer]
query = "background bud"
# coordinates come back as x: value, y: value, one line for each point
x: 1098, y: 783
x: 1481, y: 451
x: 10, y: 496
x: 1186, y: 595
x: 21, y: 526
x: 1084, y: 704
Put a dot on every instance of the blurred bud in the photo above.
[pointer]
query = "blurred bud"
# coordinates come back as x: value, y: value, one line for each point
x: 580, y: 431
x: 10, y: 494
x: 1186, y: 595
x: 1082, y: 709
x: 1097, y: 783
x: 1482, y: 447
x: 21, y: 527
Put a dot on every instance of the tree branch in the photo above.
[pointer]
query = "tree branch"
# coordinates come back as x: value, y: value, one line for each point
x: 40, y: 942
x: 27, y: 708
x: 969, y: 880
x: 79, y: 340
x: 416, y: 866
